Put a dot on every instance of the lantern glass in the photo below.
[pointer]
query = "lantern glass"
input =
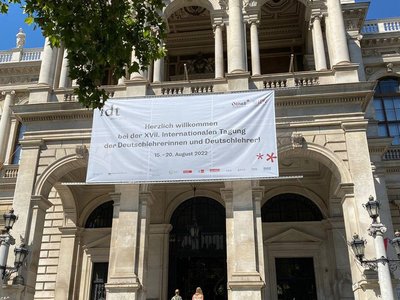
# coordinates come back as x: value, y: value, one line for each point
x: 9, y: 219
x: 358, y: 247
x: 21, y: 253
x: 372, y: 206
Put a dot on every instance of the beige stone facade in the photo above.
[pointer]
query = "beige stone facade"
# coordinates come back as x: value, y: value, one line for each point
x: 322, y: 58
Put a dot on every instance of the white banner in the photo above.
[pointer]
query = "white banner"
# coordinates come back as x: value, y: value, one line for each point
x: 184, y: 138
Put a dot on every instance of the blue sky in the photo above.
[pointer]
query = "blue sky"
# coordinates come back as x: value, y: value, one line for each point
x: 11, y: 22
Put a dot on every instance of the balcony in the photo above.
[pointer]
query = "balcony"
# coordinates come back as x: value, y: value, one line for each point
x: 20, y: 55
x: 381, y: 26
x: 8, y: 174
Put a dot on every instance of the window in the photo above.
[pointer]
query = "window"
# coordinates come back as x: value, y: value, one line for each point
x: 101, y: 217
x: 387, y: 108
x: 290, y: 208
x: 16, y: 156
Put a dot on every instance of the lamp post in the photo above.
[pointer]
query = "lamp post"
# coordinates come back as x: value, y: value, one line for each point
x: 381, y: 263
x: 21, y: 252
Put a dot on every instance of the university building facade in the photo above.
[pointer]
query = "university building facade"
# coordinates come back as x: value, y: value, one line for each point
x: 336, y: 78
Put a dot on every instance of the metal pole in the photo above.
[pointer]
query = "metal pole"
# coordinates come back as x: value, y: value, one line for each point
x: 5, y: 241
x: 385, y: 281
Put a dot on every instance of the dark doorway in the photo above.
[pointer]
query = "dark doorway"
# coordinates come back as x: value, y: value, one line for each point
x: 295, y: 278
x: 197, y: 249
x: 99, y: 279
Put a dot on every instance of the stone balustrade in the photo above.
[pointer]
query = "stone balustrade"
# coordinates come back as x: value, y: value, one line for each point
x: 9, y: 172
x: 21, y: 55
x: 381, y: 26
x: 392, y: 154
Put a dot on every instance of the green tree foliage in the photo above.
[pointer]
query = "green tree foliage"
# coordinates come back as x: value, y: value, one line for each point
x: 99, y: 35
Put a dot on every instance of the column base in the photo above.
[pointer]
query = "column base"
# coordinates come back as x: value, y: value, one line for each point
x: 238, y: 81
x: 345, y: 73
x: 122, y: 291
x: 245, y: 286
x: 40, y: 93
x: 137, y: 87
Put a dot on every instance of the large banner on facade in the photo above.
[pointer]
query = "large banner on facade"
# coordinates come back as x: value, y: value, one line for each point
x: 184, y: 138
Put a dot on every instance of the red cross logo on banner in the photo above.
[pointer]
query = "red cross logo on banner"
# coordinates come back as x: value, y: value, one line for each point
x: 271, y: 157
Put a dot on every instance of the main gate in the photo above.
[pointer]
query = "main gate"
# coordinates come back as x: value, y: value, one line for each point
x: 197, y: 249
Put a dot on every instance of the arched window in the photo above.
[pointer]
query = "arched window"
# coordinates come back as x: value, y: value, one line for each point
x: 101, y: 217
x: 290, y: 208
x: 387, y: 108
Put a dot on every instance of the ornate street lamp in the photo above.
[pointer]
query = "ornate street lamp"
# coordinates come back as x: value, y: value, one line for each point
x: 372, y: 206
x: 9, y: 220
x: 20, y: 255
x: 21, y: 252
x: 381, y: 263
x: 358, y: 247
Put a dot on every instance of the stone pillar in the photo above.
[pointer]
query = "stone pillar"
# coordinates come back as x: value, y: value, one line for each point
x: 128, y: 249
x: 5, y: 123
x: 337, y: 38
x: 356, y: 218
x: 66, y: 263
x: 236, y: 50
x: 65, y: 81
x: 356, y: 54
x: 158, y: 70
x: 318, y: 44
x: 158, y: 261
x: 255, y: 49
x: 219, y: 50
x: 47, y: 69
x: 135, y: 75
x: 30, y: 210
x: 243, y: 233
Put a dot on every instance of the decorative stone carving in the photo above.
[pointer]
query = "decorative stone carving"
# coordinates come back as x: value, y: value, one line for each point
x: 298, y: 140
x: 389, y: 67
x: 81, y: 152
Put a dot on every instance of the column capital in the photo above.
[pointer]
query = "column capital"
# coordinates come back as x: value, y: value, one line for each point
x: 253, y: 21
x: 8, y: 92
x: 32, y: 144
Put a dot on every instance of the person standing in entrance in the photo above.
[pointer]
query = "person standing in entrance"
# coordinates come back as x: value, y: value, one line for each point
x: 176, y: 297
x: 198, y: 295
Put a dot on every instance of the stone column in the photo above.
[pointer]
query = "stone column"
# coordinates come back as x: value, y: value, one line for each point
x: 47, y: 68
x: 255, y: 49
x: 356, y: 218
x: 158, y: 70
x: 318, y: 44
x: 128, y: 249
x: 356, y: 54
x: 136, y: 75
x: 236, y: 50
x: 66, y: 263
x: 158, y: 261
x: 65, y: 81
x: 5, y: 123
x: 337, y: 38
x: 219, y: 50
x: 30, y: 210
x: 243, y: 233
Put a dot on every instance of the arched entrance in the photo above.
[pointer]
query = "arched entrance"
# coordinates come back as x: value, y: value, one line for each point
x: 197, y: 249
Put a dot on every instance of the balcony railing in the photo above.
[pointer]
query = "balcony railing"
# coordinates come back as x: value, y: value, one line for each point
x: 19, y: 55
x: 392, y: 154
x: 381, y: 26
x: 9, y: 171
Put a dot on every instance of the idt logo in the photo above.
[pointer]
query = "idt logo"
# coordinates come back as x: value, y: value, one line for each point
x: 110, y: 111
